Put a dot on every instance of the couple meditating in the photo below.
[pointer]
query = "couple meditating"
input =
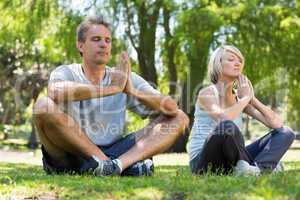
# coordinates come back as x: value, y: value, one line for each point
x: 81, y: 123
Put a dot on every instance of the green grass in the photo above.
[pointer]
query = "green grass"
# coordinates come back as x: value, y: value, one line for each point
x: 19, y: 181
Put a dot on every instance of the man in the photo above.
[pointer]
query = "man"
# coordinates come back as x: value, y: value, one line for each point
x: 81, y: 122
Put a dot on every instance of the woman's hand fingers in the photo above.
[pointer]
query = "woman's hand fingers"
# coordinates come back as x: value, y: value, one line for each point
x: 242, y: 81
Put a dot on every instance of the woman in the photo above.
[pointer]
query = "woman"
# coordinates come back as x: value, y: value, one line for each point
x: 216, y: 141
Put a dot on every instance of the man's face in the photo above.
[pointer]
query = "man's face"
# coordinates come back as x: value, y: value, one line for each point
x: 97, y: 45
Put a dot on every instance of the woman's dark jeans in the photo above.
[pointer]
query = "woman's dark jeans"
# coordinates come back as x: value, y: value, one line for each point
x: 225, y: 146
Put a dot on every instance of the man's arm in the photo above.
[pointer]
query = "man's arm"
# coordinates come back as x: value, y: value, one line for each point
x: 161, y: 103
x: 164, y: 104
x: 64, y: 90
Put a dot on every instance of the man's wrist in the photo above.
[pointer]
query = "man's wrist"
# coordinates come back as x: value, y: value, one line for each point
x: 110, y: 90
x: 132, y: 92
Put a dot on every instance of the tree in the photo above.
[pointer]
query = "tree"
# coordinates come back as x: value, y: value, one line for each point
x: 260, y: 30
x: 196, y: 32
x: 29, y: 31
x: 170, y: 46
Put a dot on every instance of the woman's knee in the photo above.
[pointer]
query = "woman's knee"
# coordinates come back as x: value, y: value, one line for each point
x: 287, y: 134
x: 227, y: 127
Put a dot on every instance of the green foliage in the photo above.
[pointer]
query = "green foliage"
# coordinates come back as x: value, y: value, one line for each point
x: 195, y: 31
x: 30, y: 49
x: 36, y: 36
x: 266, y: 33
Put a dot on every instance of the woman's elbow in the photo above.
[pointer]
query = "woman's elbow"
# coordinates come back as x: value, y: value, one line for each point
x: 223, y: 116
x: 276, y: 122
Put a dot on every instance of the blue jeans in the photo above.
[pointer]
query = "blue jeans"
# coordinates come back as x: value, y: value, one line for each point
x: 269, y: 149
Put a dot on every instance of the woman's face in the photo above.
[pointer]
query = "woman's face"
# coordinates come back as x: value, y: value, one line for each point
x: 232, y: 65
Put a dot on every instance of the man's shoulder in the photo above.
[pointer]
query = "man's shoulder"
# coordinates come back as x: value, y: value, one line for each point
x: 137, y: 77
x: 109, y: 69
x: 68, y: 67
x: 65, y: 72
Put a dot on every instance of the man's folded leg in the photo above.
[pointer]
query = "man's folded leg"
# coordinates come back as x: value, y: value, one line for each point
x: 140, y: 168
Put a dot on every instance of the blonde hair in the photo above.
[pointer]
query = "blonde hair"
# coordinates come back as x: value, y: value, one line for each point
x: 215, y: 61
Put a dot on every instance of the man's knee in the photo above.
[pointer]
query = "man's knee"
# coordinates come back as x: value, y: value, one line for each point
x: 46, y: 110
x: 43, y: 105
x: 175, y: 125
x: 183, y: 120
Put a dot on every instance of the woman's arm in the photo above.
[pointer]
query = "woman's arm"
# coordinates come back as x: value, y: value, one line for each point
x: 264, y: 114
x: 210, y: 103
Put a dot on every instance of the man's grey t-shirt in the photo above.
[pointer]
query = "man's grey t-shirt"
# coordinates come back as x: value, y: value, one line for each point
x: 102, y: 119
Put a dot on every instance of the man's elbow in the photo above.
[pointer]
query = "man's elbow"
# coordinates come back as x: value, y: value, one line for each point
x: 53, y: 93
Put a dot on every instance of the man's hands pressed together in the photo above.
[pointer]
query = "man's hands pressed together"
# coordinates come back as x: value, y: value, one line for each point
x: 119, y: 75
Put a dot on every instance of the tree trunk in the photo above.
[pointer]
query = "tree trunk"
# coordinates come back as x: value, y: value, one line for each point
x: 5, y: 121
x: 170, y: 47
x: 247, y: 132
x: 192, y: 85
x: 147, y: 36
x: 144, y: 41
x: 39, y: 83
x: 32, y: 141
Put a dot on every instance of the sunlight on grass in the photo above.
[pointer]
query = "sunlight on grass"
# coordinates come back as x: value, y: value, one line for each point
x: 147, y: 193
x: 168, y: 170
x: 175, y: 159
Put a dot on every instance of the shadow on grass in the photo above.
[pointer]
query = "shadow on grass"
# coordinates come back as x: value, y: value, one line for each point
x: 169, y: 182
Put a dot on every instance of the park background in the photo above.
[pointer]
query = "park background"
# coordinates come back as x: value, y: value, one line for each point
x: 169, y: 43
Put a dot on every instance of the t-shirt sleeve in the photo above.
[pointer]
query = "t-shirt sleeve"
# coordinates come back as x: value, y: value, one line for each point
x: 61, y: 73
x: 133, y: 104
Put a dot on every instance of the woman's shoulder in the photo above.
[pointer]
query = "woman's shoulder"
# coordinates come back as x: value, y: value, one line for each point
x: 209, y: 90
x: 207, y: 96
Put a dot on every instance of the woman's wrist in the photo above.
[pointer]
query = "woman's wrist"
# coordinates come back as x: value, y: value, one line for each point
x: 246, y: 98
x: 253, y: 101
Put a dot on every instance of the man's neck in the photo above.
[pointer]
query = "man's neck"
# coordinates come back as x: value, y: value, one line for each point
x: 94, y: 73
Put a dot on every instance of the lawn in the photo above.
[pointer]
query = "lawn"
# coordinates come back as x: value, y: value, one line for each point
x: 25, y: 181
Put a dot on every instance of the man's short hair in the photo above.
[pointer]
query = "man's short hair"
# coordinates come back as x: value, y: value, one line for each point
x: 84, y: 26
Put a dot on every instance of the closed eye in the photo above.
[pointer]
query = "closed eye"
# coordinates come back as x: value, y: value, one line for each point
x: 97, y: 39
